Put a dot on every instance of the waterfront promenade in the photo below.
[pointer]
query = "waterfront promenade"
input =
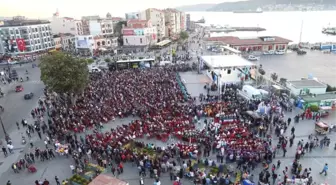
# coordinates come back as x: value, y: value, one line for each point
x: 293, y: 66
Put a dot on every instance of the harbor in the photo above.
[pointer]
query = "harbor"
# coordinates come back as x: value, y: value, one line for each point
x: 219, y: 29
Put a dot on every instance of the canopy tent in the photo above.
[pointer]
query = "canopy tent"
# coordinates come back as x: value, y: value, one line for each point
x: 103, y: 179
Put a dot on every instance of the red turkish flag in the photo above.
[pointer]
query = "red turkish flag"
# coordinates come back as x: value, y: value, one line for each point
x: 21, y: 44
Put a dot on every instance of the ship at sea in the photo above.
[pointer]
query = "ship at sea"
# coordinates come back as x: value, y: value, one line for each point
x: 258, y: 10
x: 202, y: 21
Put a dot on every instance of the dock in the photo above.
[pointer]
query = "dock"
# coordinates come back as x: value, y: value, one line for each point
x: 249, y: 28
x: 235, y: 29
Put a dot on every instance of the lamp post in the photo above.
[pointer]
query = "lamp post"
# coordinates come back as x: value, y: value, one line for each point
x: 4, y: 129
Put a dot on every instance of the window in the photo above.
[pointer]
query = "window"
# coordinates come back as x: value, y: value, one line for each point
x: 141, y: 40
x: 17, y: 31
x: 11, y: 32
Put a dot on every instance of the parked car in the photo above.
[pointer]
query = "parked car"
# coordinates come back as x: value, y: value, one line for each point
x: 18, y: 88
x: 301, y: 52
x: 252, y: 58
x: 28, y: 96
x: 280, y: 52
x: 270, y: 52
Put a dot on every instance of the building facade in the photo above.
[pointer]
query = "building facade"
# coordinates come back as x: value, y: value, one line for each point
x: 96, y: 26
x: 22, y: 36
x: 183, y: 21
x: 102, y: 43
x: 58, y: 42
x: 139, y: 33
x: 85, y: 44
x: 188, y: 22
x: 157, y: 18
x: 86, y: 23
x: 132, y: 15
x: 173, y: 22
x: 66, y: 25
x: 265, y: 43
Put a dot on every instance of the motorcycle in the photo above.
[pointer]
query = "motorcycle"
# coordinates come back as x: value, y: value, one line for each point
x: 21, y: 80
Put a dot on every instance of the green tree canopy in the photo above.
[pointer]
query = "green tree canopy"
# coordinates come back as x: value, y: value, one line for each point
x: 62, y: 73
x: 184, y: 35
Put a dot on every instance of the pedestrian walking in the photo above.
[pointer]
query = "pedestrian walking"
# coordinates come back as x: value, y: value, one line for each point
x: 4, y: 150
x: 57, y: 181
x: 325, y: 169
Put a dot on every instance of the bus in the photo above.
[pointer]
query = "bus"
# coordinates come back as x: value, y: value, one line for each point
x: 134, y: 63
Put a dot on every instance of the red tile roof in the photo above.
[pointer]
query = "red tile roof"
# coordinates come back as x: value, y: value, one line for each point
x: 236, y: 41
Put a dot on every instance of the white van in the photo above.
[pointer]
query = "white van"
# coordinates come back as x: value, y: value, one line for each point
x: 251, y: 92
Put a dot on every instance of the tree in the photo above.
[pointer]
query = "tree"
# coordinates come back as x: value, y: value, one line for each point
x: 184, y: 35
x: 274, y: 77
x: 89, y: 61
x: 107, y: 60
x: 64, y: 74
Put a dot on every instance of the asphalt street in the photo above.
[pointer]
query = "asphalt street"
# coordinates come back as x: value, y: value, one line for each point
x: 16, y: 108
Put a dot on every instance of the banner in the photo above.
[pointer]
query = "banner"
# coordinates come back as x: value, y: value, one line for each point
x: 82, y: 44
x: 21, y: 45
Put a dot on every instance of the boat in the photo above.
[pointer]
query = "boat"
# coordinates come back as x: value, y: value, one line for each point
x: 329, y: 30
x: 202, y: 21
x: 258, y: 10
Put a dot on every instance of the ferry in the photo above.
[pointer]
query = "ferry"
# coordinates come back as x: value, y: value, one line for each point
x: 258, y: 10
x: 202, y: 21
x: 329, y: 30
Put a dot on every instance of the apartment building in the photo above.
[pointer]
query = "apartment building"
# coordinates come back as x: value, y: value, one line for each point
x: 96, y: 26
x: 139, y: 33
x: 23, y: 36
x: 157, y: 18
x: 173, y: 22
x: 66, y: 25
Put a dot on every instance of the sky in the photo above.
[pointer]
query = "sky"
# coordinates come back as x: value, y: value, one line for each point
x: 77, y: 8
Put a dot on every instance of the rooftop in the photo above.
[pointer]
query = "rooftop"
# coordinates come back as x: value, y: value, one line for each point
x: 236, y: 41
x: 223, y: 61
x: 136, y: 21
x: 25, y: 22
x: 307, y: 84
x: 319, y: 97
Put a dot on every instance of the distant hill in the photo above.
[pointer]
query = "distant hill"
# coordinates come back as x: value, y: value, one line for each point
x: 196, y: 7
x: 254, y: 4
x: 248, y: 5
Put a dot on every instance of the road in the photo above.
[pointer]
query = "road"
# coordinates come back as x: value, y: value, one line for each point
x: 16, y: 108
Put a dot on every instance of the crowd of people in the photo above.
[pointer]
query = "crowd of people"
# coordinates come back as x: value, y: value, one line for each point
x: 153, y: 97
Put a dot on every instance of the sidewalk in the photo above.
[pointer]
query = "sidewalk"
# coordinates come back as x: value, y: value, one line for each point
x: 16, y: 138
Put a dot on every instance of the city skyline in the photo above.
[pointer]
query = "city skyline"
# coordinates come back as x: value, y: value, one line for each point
x: 42, y: 9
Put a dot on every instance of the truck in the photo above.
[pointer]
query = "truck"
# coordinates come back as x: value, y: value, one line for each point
x: 250, y: 93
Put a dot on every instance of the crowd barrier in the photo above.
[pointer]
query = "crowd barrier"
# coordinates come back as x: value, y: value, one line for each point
x: 182, y: 86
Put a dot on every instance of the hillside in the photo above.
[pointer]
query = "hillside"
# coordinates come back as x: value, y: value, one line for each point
x: 249, y: 5
x: 196, y: 7
x: 254, y: 4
